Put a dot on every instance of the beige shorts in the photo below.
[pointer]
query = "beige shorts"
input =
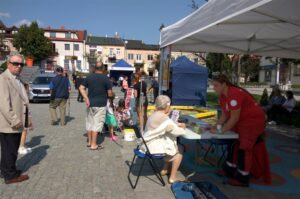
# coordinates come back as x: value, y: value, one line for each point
x: 169, y: 158
x: 95, y: 118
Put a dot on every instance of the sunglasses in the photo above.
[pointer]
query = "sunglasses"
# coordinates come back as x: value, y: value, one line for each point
x: 17, y: 64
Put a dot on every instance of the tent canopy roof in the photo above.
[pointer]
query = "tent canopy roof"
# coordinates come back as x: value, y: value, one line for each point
x: 122, y: 66
x: 122, y: 63
x: 262, y: 27
x: 184, y: 65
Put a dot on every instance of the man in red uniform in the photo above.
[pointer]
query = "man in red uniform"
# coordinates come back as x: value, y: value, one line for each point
x: 241, y: 114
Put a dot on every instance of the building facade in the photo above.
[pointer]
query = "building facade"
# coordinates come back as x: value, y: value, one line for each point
x: 68, y: 49
x: 106, y: 49
x: 6, y: 37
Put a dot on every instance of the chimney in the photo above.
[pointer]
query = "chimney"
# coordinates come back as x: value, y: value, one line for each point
x: 116, y: 35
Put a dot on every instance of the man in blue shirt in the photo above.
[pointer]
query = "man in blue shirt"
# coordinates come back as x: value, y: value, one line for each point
x: 60, y: 88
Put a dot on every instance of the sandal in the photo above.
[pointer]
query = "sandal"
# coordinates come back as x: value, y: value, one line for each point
x: 171, y: 181
x: 164, y: 172
x: 99, y: 147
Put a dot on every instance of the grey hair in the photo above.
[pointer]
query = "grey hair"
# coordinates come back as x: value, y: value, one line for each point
x: 162, y: 102
x: 13, y: 54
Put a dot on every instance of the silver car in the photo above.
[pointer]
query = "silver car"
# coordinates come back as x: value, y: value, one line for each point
x: 39, y: 87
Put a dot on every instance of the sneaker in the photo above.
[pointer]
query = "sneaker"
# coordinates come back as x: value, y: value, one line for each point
x: 272, y: 123
x: 114, y: 138
x: 24, y: 150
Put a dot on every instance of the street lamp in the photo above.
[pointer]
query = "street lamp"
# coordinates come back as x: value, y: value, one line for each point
x: 125, y: 43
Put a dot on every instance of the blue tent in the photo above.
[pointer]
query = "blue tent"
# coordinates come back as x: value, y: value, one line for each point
x: 189, y: 82
x: 123, y: 66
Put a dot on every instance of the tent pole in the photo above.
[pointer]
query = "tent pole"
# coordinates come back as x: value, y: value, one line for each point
x: 277, y: 71
x: 160, y: 81
x: 239, y: 70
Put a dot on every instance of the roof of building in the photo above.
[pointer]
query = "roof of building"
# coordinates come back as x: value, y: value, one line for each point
x: 105, y: 41
x: 140, y: 45
x: 81, y: 34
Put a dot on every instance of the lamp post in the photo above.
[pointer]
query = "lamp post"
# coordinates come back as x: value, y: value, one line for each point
x: 125, y: 43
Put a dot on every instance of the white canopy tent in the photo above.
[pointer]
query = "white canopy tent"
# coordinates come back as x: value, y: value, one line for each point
x: 261, y: 27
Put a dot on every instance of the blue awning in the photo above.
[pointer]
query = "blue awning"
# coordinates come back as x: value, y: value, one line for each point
x: 122, y: 63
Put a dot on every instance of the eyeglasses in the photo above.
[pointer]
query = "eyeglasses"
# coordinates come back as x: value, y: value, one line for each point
x: 17, y: 64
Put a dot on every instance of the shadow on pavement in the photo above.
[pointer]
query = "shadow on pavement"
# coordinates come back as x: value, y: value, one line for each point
x: 69, y: 119
x: 33, y: 158
x: 147, y: 171
x: 35, y: 141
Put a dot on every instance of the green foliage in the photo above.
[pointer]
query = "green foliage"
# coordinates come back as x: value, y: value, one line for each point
x: 250, y: 66
x: 264, y: 98
x: 3, y: 66
x: 296, y: 86
x: 156, y: 62
x: 31, y: 42
x: 219, y: 62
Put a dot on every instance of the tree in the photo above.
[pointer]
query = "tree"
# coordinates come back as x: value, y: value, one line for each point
x: 250, y: 66
x: 156, y: 62
x: 31, y: 42
x: 219, y: 62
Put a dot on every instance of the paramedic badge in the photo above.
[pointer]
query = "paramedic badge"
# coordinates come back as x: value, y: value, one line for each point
x: 233, y: 103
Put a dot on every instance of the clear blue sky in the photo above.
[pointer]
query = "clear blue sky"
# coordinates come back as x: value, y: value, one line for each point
x: 133, y: 19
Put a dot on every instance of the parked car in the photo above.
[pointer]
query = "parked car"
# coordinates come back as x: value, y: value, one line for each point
x: 39, y: 88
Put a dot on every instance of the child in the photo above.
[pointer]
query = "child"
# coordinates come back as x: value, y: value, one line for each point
x: 123, y: 115
x: 110, y: 119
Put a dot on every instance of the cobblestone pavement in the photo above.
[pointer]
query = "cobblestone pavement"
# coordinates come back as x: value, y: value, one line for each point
x: 61, y: 166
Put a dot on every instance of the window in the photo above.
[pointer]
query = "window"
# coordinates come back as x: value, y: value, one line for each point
x: 130, y: 56
x: 138, y: 57
x: 53, y: 48
x: 268, y: 75
x: 297, y: 70
x: 67, y: 63
x: 118, y: 51
x: 68, y: 35
x: 76, y: 47
x: 78, y: 64
x: 150, y: 57
x: 52, y: 35
x: 111, y: 52
x: 67, y: 46
x: 2, y: 31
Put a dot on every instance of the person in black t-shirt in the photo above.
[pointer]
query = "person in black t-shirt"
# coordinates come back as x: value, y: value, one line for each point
x: 140, y: 94
x: 99, y: 89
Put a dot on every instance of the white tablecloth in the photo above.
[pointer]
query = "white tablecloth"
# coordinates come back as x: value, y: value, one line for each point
x: 208, y: 135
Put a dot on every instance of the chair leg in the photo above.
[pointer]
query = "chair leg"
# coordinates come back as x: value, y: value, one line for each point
x: 156, y: 171
x: 138, y: 176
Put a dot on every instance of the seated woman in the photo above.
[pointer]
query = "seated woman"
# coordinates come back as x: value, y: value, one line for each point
x: 284, y: 110
x: 276, y: 99
x: 160, y: 135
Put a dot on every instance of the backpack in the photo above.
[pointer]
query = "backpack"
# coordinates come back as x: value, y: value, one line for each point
x: 197, y: 190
